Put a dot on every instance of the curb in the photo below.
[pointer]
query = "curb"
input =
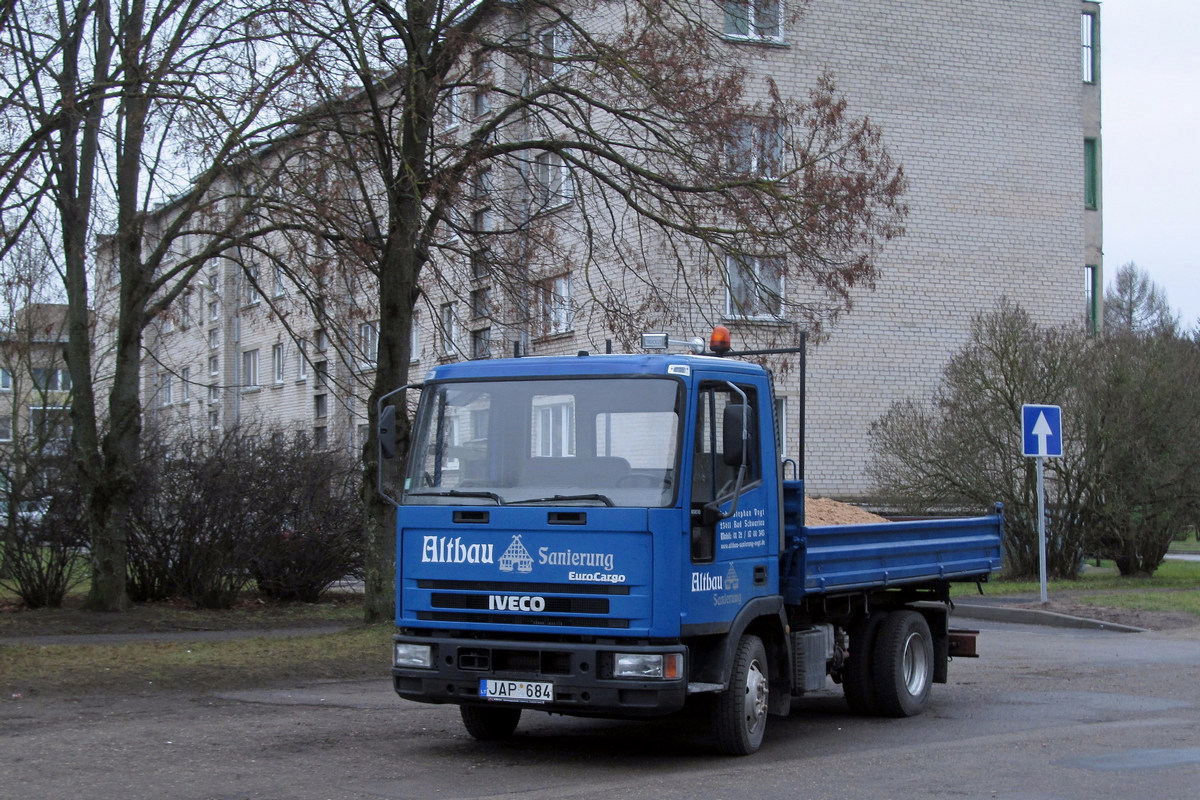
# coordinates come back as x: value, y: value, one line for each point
x: 1033, y: 616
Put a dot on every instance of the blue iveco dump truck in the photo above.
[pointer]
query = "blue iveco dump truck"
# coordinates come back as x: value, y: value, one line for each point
x: 613, y: 536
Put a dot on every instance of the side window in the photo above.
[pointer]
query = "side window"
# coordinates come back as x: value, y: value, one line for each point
x: 714, y: 471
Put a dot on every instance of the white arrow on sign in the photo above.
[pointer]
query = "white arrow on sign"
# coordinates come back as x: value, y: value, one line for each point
x: 1042, y: 430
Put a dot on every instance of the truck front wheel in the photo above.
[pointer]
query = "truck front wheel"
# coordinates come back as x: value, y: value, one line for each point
x: 903, y: 664
x: 487, y: 723
x: 740, y: 713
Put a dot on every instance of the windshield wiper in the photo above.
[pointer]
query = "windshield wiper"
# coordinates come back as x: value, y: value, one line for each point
x: 459, y: 493
x: 597, y: 497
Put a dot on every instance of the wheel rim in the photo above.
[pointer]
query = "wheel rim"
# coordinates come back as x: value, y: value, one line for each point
x: 756, y: 698
x: 916, y: 664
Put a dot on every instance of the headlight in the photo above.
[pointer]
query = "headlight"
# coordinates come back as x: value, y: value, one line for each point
x: 412, y: 655
x: 648, y: 665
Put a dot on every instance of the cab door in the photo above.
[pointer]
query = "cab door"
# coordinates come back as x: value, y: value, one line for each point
x: 730, y: 552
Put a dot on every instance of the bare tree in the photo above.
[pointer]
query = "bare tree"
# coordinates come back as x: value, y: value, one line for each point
x: 112, y: 111
x: 962, y: 448
x: 1136, y: 303
x: 452, y: 145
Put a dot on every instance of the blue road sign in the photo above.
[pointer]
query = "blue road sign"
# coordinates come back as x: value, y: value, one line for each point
x: 1041, y: 431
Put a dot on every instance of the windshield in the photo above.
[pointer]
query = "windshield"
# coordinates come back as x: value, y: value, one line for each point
x: 596, y: 441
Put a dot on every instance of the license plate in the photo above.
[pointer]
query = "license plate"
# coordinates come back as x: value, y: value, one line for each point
x: 517, y: 691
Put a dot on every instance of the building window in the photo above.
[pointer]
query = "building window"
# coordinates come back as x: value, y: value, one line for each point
x: 1091, y: 174
x: 1090, y: 41
x: 321, y: 373
x: 1092, y: 298
x: 556, y: 313
x: 5, y: 379
x: 320, y: 340
x: 250, y: 369
x: 213, y: 366
x: 5, y: 429
x: 214, y: 310
x: 321, y: 406
x: 302, y: 367
x: 555, y: 44
x: 447, y: 329
x: 481, y: 303
x: 51, y: 428
x: 165, y: 389
x: 252, y: 295
x: 277, y: 362
x: 414, y: 341
x: 755, y: 287
x: 481, y: 184
x: 320, y: 437
x: 452, y: 113
x: 479, y: 263
x: 368, y: 343
x: 50, y: 379
x: 481, y: 220
x: 753, y: 19
x: 185, y: 384
x: 214, y: 339
x: 214, y: 393
x: 214, y: 418
x: 552, y: 180
x: 481, y: 343
x: 757, y: 149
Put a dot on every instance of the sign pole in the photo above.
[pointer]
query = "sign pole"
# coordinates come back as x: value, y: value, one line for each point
x: 1041, y: 496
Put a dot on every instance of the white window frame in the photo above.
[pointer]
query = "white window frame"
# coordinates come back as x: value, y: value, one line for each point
x: 555, y: 44
x: 758, y: 306
x: 758, y: 150
x: 185, y: 384
x: 302, y: 367
x: 6, y: 380
x: 757, y: 22
x: 554, y: 427
x: 166, y: 389
x: 556, y: 308
x: 277, y: 364
x: 252, y: 295
x: 368, y: 344
x: 553, y: 184
x: 6, y: 428
x: 250, y: 370
x: 448, y: 328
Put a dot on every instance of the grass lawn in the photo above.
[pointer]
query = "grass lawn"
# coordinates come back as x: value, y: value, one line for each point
x: 1188, y: 545
x: 139, y: 667
x: 1170, y: 575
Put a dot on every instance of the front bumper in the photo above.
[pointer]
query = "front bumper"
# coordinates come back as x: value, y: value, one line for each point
x: 581, y: 674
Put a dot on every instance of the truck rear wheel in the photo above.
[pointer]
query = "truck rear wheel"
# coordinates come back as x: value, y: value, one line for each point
x: 858, y: 673
x: 488, y: 723
x: 740, y: 713
x: 903, y: 664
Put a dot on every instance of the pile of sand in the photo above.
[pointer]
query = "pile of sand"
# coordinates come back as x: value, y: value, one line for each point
x: 823, y: 511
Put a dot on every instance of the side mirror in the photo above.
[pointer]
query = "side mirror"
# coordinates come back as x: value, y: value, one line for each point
x: 387, y: 432
x: 738, y: 424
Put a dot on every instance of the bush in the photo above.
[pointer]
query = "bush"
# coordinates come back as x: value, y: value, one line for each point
x: 318, y: 540
x: 963, y: 450
x: 215, y: 514
x: 43, y: 554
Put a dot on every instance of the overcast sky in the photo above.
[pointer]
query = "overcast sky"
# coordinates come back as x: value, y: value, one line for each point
x: 1150, y: 91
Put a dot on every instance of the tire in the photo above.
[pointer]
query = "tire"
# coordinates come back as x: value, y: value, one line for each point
x: 488, y: 723
x: 858, y: 674
x: 740, y: 713
x: 903, y: 664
